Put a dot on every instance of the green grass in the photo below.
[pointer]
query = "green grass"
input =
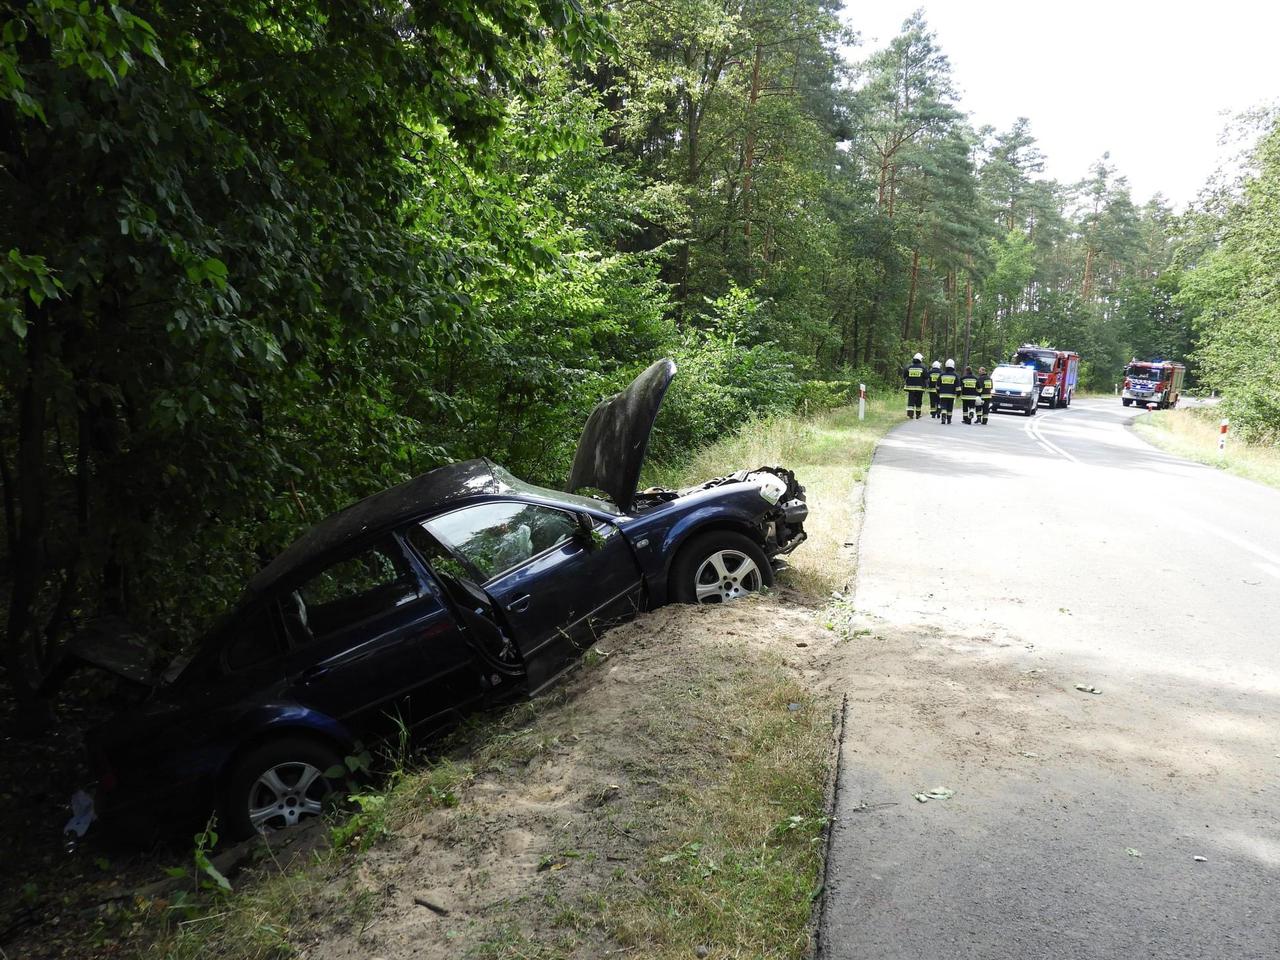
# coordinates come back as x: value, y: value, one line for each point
x: 830, y: 454
x: 1193, y: 433
x: 262, y: 920
x: 736, y: 857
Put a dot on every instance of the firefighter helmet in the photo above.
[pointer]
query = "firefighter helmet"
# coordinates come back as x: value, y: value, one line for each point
x: 937, y: 365
x: 951, y: 364
x: 918, y: 358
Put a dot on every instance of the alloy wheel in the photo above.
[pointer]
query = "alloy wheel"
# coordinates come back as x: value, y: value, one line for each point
x: 285, y: 794
x: 726, y: 575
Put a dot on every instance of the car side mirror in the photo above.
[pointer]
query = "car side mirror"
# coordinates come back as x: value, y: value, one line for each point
x: 586, y: 529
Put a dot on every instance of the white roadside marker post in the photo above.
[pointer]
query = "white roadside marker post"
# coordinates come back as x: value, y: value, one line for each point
x: 862, y: 401
x: 1222, y: 437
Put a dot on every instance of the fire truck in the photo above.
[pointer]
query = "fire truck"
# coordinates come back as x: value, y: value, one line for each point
x: 1056, y: 372
x: 1153, y: 381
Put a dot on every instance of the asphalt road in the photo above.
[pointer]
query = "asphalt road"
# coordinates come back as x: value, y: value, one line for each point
x: 1000, y: 566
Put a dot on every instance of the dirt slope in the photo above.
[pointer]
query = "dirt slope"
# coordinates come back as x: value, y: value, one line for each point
x: 562, y: 808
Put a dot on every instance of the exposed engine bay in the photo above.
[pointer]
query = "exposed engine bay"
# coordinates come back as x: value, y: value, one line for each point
x: 783, y: 526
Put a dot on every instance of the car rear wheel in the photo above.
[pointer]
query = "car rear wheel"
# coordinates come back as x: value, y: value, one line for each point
x: 278, y: 785
x: 719, y: 566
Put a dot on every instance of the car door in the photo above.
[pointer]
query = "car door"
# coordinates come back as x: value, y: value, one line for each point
x: 374, y: 644
x: 556, y: 585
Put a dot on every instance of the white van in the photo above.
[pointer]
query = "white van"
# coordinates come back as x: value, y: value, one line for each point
x: 1014, y: 386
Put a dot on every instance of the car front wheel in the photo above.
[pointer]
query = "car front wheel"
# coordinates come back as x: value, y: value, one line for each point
x: 278, y: 785
x: 719, y: 566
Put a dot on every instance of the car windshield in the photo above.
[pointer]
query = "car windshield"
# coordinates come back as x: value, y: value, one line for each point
x: 507, y: 479
x: 1142, y: 373
x: 1019, y: 376
x: 1042, y: 364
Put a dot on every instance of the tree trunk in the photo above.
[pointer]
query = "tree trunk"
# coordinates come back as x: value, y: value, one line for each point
x: 911, y: 295
x: 968, y: 316
x: 1087, y: 287
x: 28, y: 559
x: 749, y: 151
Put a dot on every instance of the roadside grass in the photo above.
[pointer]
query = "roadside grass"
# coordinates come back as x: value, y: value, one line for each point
x: 735, y: 860
x: 1193, y: 433
x: 830, y: 453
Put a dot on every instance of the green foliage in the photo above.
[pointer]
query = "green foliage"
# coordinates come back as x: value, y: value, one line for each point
x: 1235, y: 292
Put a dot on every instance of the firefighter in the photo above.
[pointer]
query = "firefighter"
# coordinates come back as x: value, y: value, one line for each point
x: 968, y: 393
x: 934, y: 373
x: 985, y: 386
x: 914, y: 380
x: 948, y: 387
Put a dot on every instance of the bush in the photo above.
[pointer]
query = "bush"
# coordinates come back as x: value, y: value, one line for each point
x: 818, y: 395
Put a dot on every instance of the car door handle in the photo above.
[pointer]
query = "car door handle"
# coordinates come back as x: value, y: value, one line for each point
x: 311, y: 675
x: 519, y: 604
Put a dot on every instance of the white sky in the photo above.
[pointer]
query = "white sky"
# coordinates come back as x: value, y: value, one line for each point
x: 1151, y: 82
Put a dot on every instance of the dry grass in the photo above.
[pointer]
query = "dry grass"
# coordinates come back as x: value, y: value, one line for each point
x: 830, y: 453
x: 1193, y: 433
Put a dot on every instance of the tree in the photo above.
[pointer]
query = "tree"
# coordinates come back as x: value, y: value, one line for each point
x: 212, y: 228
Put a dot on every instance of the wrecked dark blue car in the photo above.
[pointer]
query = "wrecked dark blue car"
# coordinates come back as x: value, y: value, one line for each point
x: 456, y: 590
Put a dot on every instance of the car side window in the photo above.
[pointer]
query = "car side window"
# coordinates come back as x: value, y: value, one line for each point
x: 496, y: 537
x: 350, y: 591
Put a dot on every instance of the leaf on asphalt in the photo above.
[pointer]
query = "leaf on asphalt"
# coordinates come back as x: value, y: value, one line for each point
x: 1032, y: 755
x: 1083, y: 688
x: 940, y: 793
x: 1132, y: 852
x: 921, y: 797
x: 1201, y: 859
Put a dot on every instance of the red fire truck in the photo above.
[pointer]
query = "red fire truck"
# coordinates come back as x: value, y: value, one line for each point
x: 1153, y: 381
x: 1056, y: 372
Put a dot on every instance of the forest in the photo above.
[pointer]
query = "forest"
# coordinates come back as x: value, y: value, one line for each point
x: 259, y: 260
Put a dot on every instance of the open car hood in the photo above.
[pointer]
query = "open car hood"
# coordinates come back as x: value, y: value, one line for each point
x: 613, y: 443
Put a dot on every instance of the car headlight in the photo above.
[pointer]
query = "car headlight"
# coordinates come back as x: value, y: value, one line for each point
x: 772, y: 489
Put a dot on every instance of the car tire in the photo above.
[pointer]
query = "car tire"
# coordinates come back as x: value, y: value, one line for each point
x: 742, y: 568
x: 277, y: 785
x: 1127, y: 402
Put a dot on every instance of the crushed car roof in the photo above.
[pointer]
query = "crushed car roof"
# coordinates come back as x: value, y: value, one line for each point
x: 381, y: 511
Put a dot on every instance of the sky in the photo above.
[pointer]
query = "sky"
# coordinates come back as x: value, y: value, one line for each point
x: 1153, y: 83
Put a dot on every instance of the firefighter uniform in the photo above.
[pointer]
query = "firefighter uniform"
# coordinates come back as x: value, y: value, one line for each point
x: 968, y: 393
x: 934, y: 374
x: 985, y: 386
x: 914, y: 380
x: 948, y: 387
